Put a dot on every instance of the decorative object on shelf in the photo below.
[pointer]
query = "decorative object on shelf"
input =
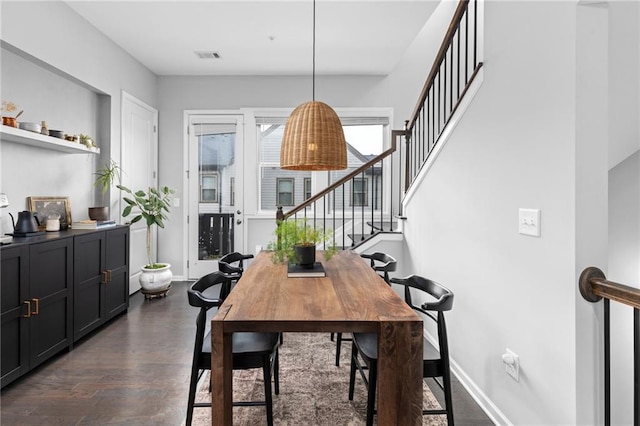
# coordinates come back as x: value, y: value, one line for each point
x: 45, y: 206
x: 105, y: 178
x: 31, y: 127
x: 71, y: 138
x: 44, y: 128
x: 27, y: 223
x: 313, y: 137
x: 152, y: 205
x: 57, y: 134
x: 8, y: 119
x: 296, y: 242
x: 87, y: 141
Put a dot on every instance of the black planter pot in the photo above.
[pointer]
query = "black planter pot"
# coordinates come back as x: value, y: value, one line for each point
x: 305, y: 256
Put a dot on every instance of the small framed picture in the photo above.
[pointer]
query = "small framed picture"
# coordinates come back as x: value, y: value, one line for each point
x: 48, y: 207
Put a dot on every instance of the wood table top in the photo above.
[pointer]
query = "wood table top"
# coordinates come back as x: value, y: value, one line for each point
x: 351, y: 297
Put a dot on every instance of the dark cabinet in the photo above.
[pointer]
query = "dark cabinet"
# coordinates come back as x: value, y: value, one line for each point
x: 36, y: 304
x: 14, y: 298
x: 57, y: 288
x: 101, y: 278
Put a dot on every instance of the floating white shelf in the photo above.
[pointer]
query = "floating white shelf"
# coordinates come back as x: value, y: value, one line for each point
x: 12, y: 134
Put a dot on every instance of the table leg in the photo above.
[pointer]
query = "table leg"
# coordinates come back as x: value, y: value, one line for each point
x: 221, y: 374
x: 400, y: 373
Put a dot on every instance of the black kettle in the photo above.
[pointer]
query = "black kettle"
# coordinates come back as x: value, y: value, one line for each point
x: 27, y: 222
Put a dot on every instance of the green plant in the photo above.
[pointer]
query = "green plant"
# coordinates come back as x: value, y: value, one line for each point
x: 106, y: 177
x: 290, y: 233
x: 153, y: 206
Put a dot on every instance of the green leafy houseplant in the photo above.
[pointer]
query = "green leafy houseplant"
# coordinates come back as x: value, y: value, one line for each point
x: 291, y: 233
x: 153, y: 206
x: 105, y: 178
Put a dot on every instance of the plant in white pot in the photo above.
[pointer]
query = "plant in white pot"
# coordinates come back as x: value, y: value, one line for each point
x: 105, y: 177
x: 152, y: 206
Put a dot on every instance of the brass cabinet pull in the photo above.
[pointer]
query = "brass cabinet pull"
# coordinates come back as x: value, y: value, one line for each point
x: 28, y: 314
x: 109, y: 275
x: 104, y: 277
x: 36, y: 311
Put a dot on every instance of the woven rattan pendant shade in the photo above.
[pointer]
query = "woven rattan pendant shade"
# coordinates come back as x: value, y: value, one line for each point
x: 313, y: 139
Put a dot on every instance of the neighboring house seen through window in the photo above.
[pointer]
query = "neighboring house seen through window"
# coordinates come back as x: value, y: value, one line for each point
x: 307, y: 188
x: 284, y: 196
x: 208, y: 187
x: 359, y: 192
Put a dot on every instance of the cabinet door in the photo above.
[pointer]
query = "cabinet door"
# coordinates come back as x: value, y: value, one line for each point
x: 117, y: 265
x: 14, y: 277
x: 89, y: 278
x: 51, y: 275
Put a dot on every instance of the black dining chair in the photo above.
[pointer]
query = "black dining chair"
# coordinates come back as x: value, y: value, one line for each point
x: 250, y: 350
x: 232, y: 265
x: 435, y: 361
x: 381, y: 263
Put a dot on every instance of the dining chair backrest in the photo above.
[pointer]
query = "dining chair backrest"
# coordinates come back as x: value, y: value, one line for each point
x: 381, y: 262
x: 233, y: 263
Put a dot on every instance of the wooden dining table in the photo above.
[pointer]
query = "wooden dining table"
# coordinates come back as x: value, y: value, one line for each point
x: 350, y: 298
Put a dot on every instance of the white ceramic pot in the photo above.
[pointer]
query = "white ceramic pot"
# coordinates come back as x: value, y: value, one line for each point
x: 156, y: 280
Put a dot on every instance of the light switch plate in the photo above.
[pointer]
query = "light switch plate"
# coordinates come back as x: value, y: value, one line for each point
x: 529, y: 222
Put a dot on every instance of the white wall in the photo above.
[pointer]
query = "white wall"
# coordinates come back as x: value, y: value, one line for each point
x: 399, y: 90
x: 514, y: 148
x: 624, y: 267
x: 63, y: 51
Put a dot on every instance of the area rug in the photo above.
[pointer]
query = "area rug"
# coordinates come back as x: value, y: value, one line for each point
x: 313, y: 391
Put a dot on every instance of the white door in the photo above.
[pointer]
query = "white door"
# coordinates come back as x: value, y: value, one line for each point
x: 216, y: 224
x: 139, y: 162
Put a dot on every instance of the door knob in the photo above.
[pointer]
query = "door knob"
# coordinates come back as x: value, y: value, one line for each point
x: 238, y: 222
x: 238, y: 212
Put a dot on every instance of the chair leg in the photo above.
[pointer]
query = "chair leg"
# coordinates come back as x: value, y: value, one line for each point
x: 276, y: 372
x: 448, y: 400
x: 338, y: 348
x: 352, y: 373
x: 332, y: 336
x: 192, y: 392
x: 266, y: 370
x: 371, y: 393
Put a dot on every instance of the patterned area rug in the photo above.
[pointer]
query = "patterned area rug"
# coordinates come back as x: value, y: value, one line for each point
x: 313, y: 391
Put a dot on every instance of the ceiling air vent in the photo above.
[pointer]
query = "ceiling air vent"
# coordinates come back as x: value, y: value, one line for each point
x: 207, y: 55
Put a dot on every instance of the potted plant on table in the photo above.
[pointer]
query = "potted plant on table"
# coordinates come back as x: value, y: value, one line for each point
x: 106, y: 177
x: 152, y: 206
x: 297, y: 240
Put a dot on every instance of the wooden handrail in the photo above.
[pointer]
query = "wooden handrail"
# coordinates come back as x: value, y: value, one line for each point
x: 594, y: 286
x: 448, y: 37
x: 344, y: 179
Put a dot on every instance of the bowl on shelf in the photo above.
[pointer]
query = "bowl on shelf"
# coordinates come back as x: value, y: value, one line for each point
x: 32, y: 127
x: 56, y: 133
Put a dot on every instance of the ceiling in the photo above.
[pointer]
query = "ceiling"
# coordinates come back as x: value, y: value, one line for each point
x: 261, y: 37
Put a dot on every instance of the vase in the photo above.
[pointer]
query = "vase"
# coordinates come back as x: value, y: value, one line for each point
x: 156, y: 280
x: 99, y: 213
x: 305, y: 256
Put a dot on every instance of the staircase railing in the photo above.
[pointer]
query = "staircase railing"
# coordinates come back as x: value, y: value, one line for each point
x: 593, y: 287
x: 454, y: 69
x: 362, y: 219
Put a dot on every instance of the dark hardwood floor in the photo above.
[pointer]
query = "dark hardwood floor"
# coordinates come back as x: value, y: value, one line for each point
x: 133, y: 371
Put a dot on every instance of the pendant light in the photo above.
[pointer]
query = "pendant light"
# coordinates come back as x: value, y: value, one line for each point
x: 313, y: 136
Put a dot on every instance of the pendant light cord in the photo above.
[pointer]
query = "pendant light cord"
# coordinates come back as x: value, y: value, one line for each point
x: 313, y: 77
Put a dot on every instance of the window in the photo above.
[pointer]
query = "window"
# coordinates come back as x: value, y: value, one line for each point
x: 307, y: 188
x: 359, y: 192
x: 284, y: 195
x: 365, y: 135
x: 208, y: 187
